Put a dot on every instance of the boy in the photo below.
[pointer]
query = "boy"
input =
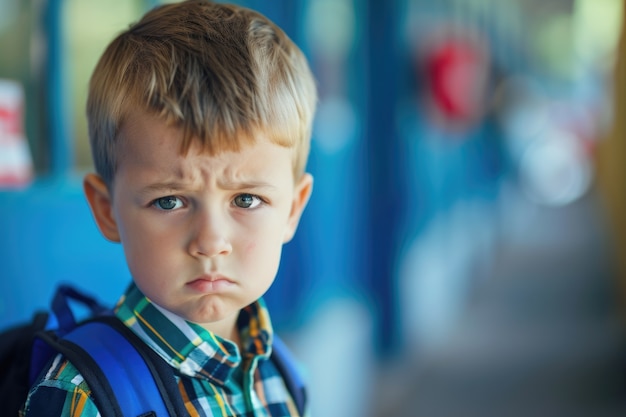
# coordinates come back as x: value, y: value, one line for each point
x: 199, y: 118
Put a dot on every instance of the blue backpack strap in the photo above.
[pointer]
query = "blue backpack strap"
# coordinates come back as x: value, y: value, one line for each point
x: 286, y: 364
x: 64, y: 316
x: 125, y: 381
x: 162, y: 373
x: 125, y: 370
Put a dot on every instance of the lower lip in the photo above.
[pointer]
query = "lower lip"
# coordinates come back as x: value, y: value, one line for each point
x: 210, y: 287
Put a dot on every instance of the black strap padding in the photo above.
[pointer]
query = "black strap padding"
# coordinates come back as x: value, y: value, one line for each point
x: 101, y: 390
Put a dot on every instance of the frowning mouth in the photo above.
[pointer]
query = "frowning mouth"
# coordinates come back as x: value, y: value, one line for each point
x: 211, y: 284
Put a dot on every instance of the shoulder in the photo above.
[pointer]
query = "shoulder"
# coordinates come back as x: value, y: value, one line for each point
x: 60, y: 391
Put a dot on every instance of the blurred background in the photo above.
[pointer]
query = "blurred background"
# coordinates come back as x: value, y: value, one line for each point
x: 463, y: 252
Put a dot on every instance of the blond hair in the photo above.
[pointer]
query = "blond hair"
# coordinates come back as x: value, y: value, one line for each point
x: 220, y: 72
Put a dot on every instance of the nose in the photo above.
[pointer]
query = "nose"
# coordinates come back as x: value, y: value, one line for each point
x: 209, y: 235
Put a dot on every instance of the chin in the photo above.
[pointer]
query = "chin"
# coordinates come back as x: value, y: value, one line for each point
x: 213, y: 312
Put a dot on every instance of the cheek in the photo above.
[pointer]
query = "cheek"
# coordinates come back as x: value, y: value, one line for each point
x: 250, y: 248
x: 146, y: 251
x: 135, y: 240
x: 264, y: 247
x: 262, y: 235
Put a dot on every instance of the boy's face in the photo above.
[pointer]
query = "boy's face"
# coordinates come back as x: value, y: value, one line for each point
x: 202, y: 234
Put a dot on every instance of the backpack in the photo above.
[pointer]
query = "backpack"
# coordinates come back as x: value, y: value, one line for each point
x: 127, y: 378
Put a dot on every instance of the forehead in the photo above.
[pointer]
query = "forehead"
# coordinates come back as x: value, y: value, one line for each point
x: 150, y: 145
x: 140, y: 128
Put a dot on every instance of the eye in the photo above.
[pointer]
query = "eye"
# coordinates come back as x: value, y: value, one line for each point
x: 247, y: 201
x: 167, y: 203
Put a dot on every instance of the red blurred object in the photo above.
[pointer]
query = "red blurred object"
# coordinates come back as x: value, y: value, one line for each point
x: 456, y: 68
x: 15, y: 160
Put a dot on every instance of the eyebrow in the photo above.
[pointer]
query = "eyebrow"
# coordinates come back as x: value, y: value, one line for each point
x: 174, y: 187
x: 161, y: 188
x: 241, y: 185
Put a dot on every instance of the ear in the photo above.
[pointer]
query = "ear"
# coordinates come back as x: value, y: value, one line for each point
x: 100, y: 202
x: 302, y: 192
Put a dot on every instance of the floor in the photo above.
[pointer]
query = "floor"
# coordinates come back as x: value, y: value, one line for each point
x: 540, y: 336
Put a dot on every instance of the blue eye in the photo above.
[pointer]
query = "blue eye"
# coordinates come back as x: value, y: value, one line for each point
x: 247, y: 201
x: 168, y: 203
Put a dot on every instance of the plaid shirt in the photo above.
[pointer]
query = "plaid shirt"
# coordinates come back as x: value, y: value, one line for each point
x: 213, y: 377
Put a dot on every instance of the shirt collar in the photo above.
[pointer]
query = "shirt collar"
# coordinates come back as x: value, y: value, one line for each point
x: 193, y: 350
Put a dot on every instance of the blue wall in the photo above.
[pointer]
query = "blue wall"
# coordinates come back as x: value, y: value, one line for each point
x: 49, y: 237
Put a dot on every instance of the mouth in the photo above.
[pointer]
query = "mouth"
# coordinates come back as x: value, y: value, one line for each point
x: 211, y: 284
